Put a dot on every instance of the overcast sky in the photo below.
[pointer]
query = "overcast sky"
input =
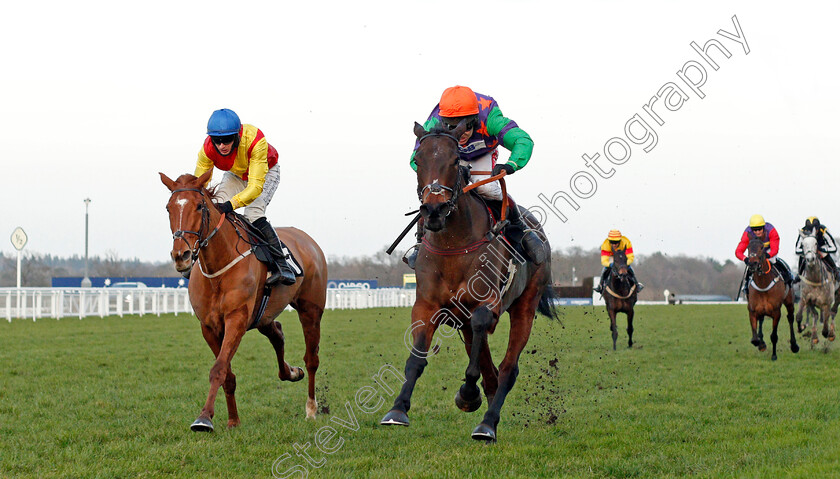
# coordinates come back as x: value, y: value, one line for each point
x: 98, y: 97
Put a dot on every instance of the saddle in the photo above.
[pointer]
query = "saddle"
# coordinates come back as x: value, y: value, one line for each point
x: 262, y: 250
x: 494, y: 210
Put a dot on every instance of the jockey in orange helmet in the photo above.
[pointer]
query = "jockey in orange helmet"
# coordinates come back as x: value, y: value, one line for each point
x: 250, y: 179
x: 487, y: 128
x: 825, y: 245
x: 616, y: 242
x: 760, y: 229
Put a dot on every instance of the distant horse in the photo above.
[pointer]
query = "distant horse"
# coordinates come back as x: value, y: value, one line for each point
x: 817, y: 290
x: 767, y: 293
x: 227, y: 289
x: 467, y: 278
x: 620, y: 295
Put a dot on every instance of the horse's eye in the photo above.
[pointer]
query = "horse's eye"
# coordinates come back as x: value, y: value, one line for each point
x: 198, y: 207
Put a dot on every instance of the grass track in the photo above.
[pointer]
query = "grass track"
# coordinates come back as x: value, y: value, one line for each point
x: 113, y: 398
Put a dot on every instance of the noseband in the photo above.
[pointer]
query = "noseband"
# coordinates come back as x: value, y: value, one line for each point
x: 435, y: 188
x: 205, y: 219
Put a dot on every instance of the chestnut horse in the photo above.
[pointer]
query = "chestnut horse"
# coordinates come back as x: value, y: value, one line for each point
x: 766, y: 294
x: 620, y: 295
x: 467, y: 278
x: 227, y: 289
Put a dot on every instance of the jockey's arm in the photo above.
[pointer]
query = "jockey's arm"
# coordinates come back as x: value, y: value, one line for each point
x: 203, y: 165
x: 774, y: 243
x: 257, y: 169
x: 606, y: 254
x: 430, y: 123
x: 629, y: 252
x: 511, y: 137
x: 830, y: 245
x: 798, y: 248
x: 742, y: 246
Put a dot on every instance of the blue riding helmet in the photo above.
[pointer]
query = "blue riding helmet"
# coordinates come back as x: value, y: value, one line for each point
x: 223, y: 122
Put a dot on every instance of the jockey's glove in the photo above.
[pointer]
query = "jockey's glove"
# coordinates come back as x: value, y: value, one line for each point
x: 225, y: 207
x: 498, y: 169
x: 747, y: 260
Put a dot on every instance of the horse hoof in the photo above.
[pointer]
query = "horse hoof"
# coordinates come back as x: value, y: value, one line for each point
x: 762, y: 347
x: 465, y: 405
x: 395, y: 418
x: 296, y: 375
x: 485, y: 433
x: 816, y: 340
x: 755, y: 342
x: 773, y: 357
x: 202, y: 425
x: 794, y: 348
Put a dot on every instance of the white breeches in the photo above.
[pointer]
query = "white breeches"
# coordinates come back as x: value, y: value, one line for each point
x: 232, y: 184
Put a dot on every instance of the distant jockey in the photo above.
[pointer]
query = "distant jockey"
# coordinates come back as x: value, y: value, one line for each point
x: 825, y: 245
x: 616, y: 242
x: 766, y: 232
x: 250, y: 179
x: 487, y: 128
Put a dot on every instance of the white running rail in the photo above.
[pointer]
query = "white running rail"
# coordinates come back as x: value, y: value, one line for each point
x: 58, y: 303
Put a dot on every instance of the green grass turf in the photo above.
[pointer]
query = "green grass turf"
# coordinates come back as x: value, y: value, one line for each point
x: 114, y: 397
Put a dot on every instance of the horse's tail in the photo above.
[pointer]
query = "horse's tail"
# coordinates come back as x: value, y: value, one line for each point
x: 548, y: 304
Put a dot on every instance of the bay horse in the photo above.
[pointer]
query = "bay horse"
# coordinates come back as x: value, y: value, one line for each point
x: 226, y: 291
x: 817, y: 291
x: 766, y: 294
x: 466, y: 279
x: 620, y: 295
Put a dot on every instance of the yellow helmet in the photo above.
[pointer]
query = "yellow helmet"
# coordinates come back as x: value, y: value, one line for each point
x: 756, y: 221
x: 813, y: 218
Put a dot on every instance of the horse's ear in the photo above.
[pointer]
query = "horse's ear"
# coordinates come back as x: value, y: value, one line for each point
x: 460, y: 129
x: 167, y: 181
x: 203, y: 179
x: 419, y: 131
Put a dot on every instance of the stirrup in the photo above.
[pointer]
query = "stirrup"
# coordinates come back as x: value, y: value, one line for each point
x: 498, y: 227
x: 283, y: 274
x: 410, y: 256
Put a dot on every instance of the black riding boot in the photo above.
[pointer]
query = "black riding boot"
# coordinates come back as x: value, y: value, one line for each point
x: 639, y: 286
x: 604, y: 274
x: 516, y: 230
x: 747, y: 279
x: 410, y: 258
x: 280, y: 270
x: 784, y: 269
x: 800, y: 269
x: 832, y: 267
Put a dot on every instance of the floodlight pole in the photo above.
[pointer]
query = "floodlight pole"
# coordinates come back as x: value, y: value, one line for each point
x: 86, y: 280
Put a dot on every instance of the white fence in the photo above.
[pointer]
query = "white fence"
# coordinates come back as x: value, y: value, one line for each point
x: 37, y: 303
x: 60, y: 303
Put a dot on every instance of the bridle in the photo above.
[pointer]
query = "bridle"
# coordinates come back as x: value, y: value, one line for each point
x: 435, y: 188
x: 204, y: 225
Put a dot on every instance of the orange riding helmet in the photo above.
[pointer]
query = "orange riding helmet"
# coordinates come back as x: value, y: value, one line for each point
x: 458, y: 101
